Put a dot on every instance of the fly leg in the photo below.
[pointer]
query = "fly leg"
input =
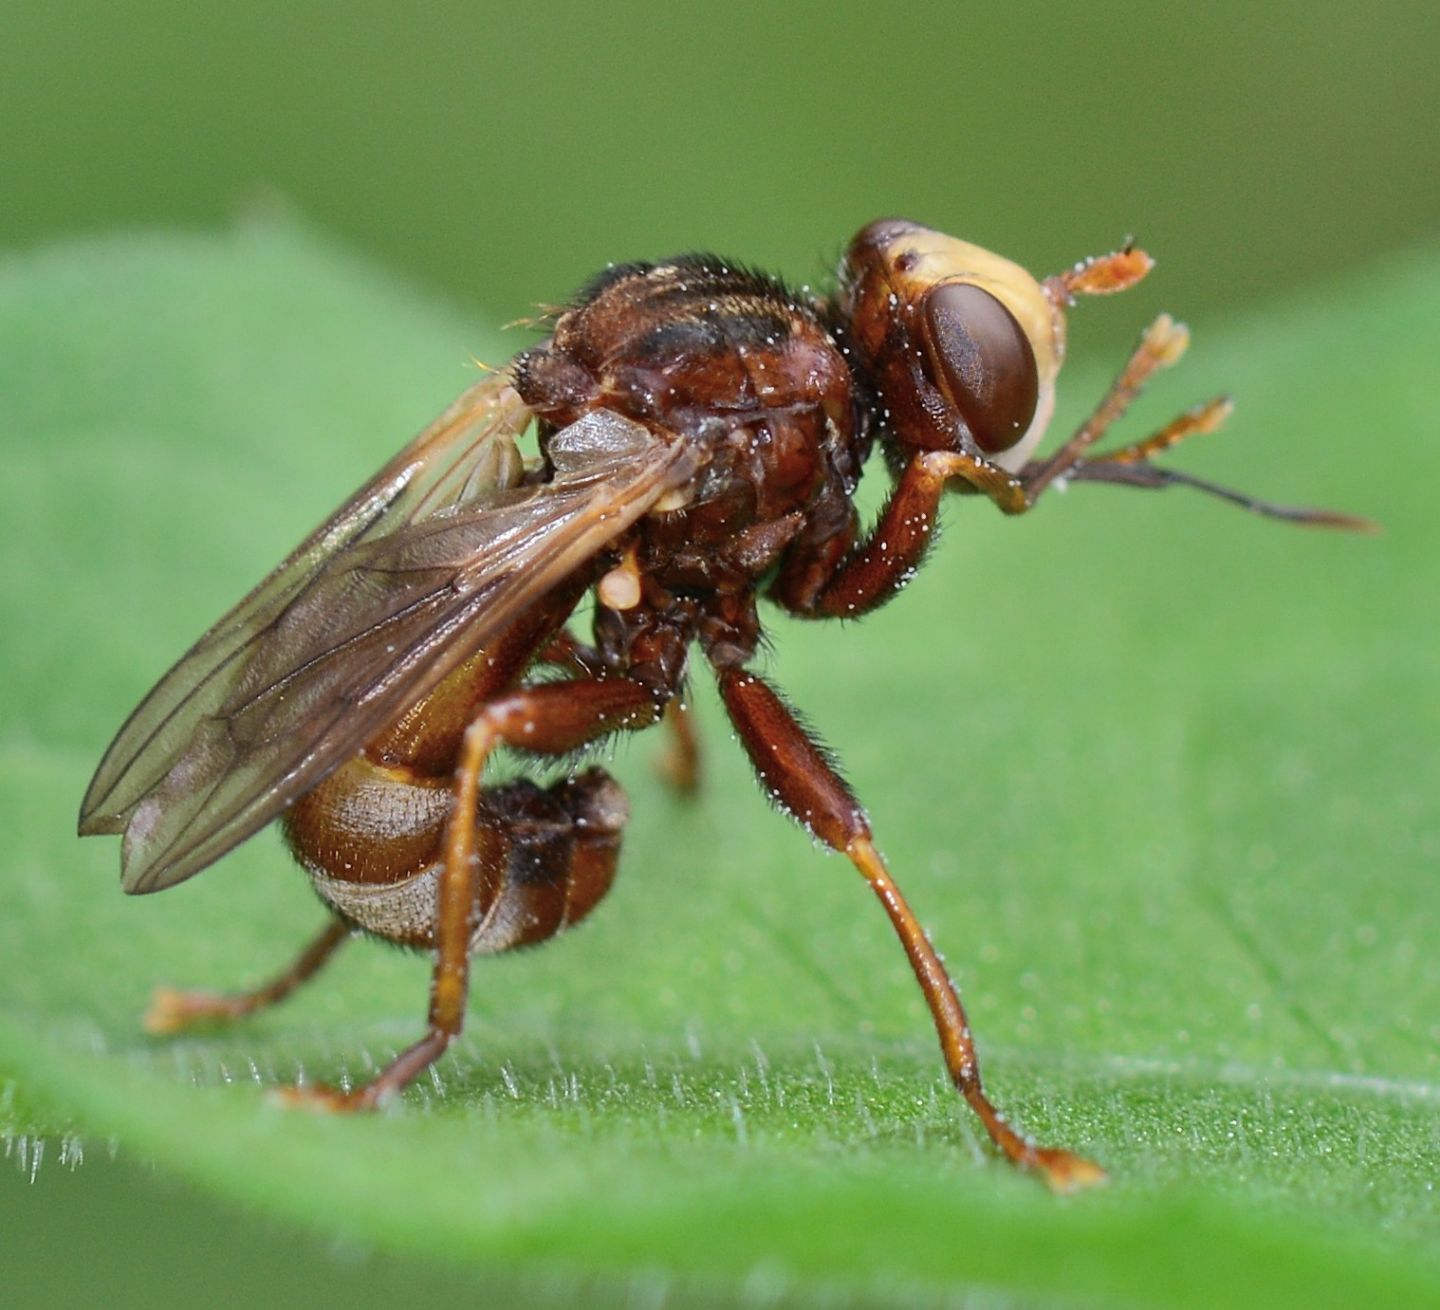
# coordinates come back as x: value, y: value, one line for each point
x: 173, y: 1011
x: 1161, y: 345
x: 841, y: 580
x: 679, y: 762
x: 795, y: 771
x: 844, y: 579
x: 552, y: 719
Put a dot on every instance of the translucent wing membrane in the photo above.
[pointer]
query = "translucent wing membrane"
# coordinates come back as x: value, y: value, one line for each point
x: 434, y: 557
x: 423, y: 475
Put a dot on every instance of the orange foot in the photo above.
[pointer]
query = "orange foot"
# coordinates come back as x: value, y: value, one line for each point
x: 174, y: 1011
x: 1065, y: 1172
x: 319, y: 1099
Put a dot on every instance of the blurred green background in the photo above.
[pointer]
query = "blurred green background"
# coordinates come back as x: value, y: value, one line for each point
x: 500, y: 154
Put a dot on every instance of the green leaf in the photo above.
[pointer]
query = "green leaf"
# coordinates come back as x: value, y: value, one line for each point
x: 1157, y: 775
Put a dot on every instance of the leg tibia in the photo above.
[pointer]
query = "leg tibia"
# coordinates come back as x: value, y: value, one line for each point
x: 545, y: 858
x: 679, y: 764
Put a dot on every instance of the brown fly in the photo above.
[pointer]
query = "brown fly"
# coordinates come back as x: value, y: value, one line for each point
x: 701, y: 429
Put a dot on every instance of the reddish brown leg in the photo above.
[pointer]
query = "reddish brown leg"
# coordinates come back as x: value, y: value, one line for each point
x: 563, y: 651
x: 679, y: 763
x: 173, y: 1011
x: 895, y: 547
x: 879, y: 566
x: 553, y: 718
x: 1130, y: 466
x: 796, y: 773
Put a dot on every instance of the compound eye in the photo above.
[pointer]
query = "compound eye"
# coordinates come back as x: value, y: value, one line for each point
x: 986, y: 363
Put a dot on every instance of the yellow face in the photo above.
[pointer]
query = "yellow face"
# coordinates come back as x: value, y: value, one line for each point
x: 993, y: 339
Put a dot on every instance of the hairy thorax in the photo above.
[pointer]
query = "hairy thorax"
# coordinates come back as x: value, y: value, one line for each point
x: 700, y: 350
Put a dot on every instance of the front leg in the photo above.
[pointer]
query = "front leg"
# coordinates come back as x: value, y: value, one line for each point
x: 831, y: 581
x: 835, y: 582
x: 795, y: 771
x: 1161, y: 346
x: 553, y: 719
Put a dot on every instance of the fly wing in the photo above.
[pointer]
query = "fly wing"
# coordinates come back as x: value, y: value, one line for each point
x: 319, y: 668
x: 467, y: 450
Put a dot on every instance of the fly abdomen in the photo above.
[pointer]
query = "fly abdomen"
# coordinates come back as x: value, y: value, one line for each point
x: 547, y: 858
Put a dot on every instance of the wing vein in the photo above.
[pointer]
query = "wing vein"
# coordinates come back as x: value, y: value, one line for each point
x: 349, y: 632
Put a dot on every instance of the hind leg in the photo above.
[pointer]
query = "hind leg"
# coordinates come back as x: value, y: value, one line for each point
x: 551, y: 856
x: 173, y: 1011
x: 679, y: 761
x: 553, y: 719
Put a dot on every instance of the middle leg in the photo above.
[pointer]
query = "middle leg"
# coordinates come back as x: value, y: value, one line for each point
x: 796, y: 772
